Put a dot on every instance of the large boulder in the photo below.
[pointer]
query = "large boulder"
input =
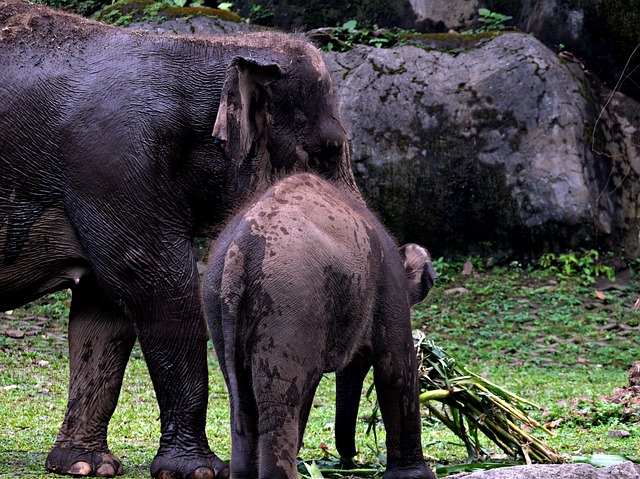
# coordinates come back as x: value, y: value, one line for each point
x: 624, y: 470
x: 483, y: 148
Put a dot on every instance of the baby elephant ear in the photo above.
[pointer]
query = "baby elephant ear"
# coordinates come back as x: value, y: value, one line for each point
x: 243, y: 114
x: 418, y: 270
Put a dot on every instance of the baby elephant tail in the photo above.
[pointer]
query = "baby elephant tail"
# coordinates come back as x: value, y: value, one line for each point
x: 418, y: 270
x: 232, y: 289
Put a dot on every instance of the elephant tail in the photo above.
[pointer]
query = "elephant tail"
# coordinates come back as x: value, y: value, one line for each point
x: 233, y: 288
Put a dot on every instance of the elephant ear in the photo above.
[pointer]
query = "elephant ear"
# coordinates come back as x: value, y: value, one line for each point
x: 418, y: 271
x: 243, y: 115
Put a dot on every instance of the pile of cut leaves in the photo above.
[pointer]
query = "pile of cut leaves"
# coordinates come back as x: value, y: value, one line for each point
x: 469, y: 404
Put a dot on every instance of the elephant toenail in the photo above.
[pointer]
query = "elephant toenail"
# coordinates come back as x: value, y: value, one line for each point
x: 203, y: 473
x: 80, y: 468
x: 106, y: 470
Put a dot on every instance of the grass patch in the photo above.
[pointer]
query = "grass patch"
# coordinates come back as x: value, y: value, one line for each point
x: 558, y: 343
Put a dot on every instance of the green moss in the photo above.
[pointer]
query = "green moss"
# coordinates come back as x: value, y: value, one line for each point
x: 451, y: 43
x: 128, y: 11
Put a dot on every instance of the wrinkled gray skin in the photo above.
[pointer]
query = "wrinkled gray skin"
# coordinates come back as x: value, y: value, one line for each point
x: 116, y: 149
x: 304, y: 281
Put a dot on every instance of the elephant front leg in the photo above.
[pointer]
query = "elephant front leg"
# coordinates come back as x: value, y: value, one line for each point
x: 396, y: 382
x: 172, y: 335
x: 100, y: 342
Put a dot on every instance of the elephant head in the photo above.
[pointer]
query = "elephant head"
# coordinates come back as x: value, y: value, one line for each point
x: 277, y: 115
x: 418, y: 271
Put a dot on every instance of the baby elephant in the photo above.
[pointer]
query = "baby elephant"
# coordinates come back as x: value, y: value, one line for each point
x: 304, y: 281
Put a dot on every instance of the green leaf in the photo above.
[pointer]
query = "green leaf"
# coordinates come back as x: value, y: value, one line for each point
x: 600, y: 460
x: 350, y: 25
x: 313, y: 470
x: 225, y: 6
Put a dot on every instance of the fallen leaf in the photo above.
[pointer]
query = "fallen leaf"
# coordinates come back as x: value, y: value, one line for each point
x: 456, y: 291
x: 600, y: 295
x: 468, y: 267
x: 553, y: 424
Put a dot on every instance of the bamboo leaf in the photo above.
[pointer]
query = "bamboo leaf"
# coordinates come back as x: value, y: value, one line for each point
x: 314, y: 472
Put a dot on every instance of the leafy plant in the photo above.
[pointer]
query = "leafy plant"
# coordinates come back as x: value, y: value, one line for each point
x: 259, y: 12
x: 184, y: 3
x: 443, y: 269
x: 347, y: 36
x: 634, y: 265
x: 585, y: 412
x: 585, y: 267
x: 492, y: 22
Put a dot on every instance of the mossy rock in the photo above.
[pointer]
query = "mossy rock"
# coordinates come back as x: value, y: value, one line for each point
x: 450, y: 42
x: 128, y: 11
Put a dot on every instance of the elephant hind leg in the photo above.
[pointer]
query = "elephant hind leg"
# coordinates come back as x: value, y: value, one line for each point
x: 100, y: 342
x: 284, y: 395
x: 244, y: 428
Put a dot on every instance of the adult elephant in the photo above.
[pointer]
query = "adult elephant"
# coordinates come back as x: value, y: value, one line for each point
x: 108, y: 169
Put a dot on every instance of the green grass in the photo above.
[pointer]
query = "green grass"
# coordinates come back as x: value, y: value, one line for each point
x: 550, y: 341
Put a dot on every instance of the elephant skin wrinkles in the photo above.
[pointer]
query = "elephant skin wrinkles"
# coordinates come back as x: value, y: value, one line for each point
x: 305, y: 280
x: 116, y: 150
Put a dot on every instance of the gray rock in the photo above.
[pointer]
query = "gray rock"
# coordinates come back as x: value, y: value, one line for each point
x: 624, y: 470
x: 484, y: 147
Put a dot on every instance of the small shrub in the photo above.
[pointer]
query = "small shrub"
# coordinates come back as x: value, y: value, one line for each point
x: 585, y: 413
x: 492, y: 22
x: 585, y: 267
x: 348, y: 36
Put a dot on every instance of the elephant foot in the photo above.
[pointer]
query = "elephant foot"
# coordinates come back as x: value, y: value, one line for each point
x: 80, y: 462
x: 421, y: 471
x: 185, y: 466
